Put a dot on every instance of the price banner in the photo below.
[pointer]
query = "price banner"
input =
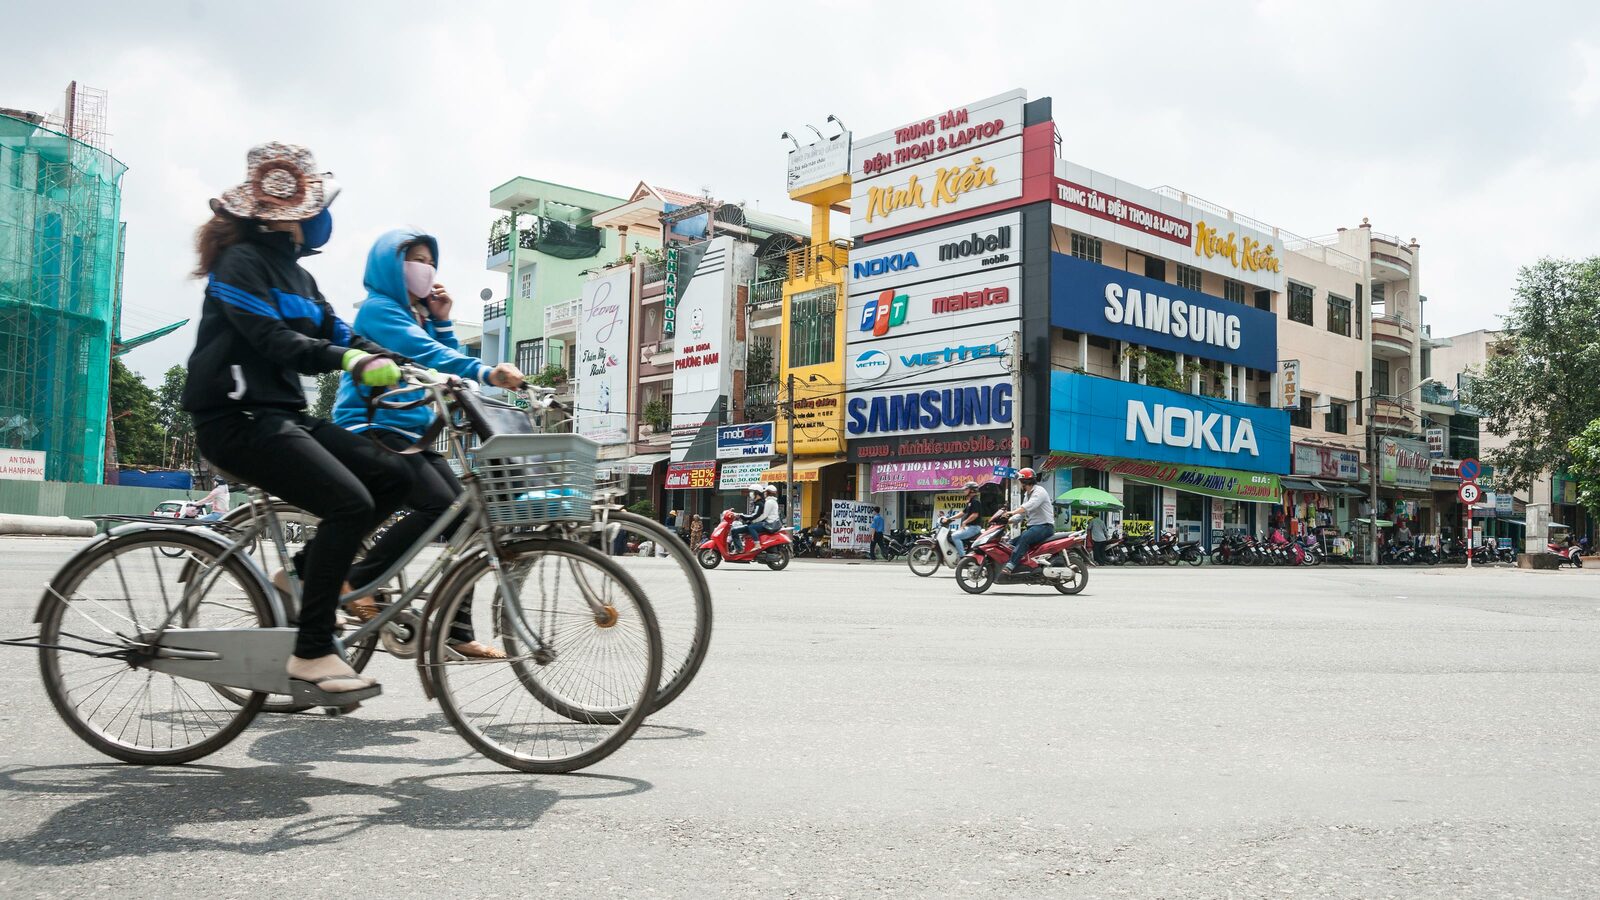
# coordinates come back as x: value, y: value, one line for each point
x: 692, y: 476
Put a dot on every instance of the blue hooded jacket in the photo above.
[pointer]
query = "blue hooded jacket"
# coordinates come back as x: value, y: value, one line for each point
x: 386, y: 319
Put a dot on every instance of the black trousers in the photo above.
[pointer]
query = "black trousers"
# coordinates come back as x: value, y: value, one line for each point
x: 433, y: 488
x: 342, y: 478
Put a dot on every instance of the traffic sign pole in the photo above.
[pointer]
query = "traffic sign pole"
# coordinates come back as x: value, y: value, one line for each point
x: 1469, y: 493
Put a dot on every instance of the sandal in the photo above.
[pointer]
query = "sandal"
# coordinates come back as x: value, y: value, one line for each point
x: 475, y: 650
x: 364, y: 609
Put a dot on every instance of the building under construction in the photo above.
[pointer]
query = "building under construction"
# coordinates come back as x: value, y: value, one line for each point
x: 60, y: 283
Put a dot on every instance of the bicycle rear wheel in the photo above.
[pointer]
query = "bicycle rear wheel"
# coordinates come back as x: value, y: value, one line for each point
x: 107, y: 596
x: 678, y: 593
x: 555, y: 711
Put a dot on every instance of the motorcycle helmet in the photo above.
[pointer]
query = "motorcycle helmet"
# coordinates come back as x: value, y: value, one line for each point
x: 970, y: 486
x: 772, y: 489
x: 1026, y: 474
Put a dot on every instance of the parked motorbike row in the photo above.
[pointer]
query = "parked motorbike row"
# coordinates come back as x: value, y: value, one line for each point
x: 1156, y: 550
x: 1244, y: 550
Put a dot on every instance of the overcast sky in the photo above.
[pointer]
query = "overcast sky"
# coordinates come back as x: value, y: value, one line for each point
x: 1470, y: 128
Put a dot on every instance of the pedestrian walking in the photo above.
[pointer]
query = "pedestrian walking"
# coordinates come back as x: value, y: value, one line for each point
x: 877, y: 538
x: 1097, y: 539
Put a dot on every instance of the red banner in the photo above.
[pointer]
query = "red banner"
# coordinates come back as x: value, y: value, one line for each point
x: 692, y: 476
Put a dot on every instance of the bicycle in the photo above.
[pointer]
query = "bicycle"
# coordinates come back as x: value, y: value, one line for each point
x: 676, y: 588
x: 227, y: 631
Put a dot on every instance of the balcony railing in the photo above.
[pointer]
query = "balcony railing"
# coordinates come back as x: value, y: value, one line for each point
x: 495, y: 310
x: 766, y: 293
x: 653, y: 271
x: 761, y: 402
x: 562, y: 240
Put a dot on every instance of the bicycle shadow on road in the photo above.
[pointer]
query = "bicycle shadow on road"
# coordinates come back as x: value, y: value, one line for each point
x: 259, y: 810
x: 311, y: 738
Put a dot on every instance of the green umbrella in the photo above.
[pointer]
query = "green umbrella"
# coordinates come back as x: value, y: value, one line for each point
x: 1090, y: 498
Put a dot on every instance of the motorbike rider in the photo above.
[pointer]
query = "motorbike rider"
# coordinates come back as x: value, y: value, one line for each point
x: 1039, y: 519
x: 263, y: 324
x: 967, y: 527
x: 758, y: 504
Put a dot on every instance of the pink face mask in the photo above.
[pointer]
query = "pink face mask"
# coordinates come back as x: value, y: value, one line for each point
x: 419, y: 278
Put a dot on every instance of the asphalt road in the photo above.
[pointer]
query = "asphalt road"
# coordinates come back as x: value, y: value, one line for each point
x: 859, y: 731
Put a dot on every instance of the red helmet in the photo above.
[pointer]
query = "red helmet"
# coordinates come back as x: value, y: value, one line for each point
x: 1026, y: 474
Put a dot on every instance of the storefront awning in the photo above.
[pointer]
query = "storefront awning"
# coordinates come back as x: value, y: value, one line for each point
x: 804, y: 469
x: 643, y: 464
x: 1348, y: 490
x: 1301, y: 484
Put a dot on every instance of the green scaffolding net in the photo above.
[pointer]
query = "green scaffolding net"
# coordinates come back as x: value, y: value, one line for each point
x: 60, y: 248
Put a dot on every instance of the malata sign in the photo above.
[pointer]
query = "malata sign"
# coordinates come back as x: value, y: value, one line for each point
x: 1125, y: 420
x: 1100, y: 300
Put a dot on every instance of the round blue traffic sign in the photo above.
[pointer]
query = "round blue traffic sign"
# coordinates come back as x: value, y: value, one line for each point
x: 1469, y: 469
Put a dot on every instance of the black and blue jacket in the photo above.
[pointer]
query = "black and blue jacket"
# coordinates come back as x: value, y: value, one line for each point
x: 262, y: 325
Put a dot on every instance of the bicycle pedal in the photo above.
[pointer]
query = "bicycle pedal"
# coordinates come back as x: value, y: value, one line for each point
x: 336, y: 711
x: 308, y: 694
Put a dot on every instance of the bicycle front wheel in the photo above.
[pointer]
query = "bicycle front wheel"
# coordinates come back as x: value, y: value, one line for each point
x: 106, y: 601
x: 573, y: 701
x: 676, y: 588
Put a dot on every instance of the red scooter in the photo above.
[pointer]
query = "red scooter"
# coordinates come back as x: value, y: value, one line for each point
x: 1059, y: 561
x: 775, y: 550
x: 1570, y: 555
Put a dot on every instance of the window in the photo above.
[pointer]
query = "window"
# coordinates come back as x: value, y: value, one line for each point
x: 1301, y: 418
x: 1338, y: 418
x: 530, y: 356
x: 811, y: 320
x: 1233, y: 290
x: 1380, y: 377
x: 1264, y: 300
x: 1155, y: 268
x: 1085, y: 247
x: 1338, y: 315
x: 525, y: 287
x: 1377, y: 293
x: 1300, y: 303
x: 1189, y: 277
x: 1360, y: 398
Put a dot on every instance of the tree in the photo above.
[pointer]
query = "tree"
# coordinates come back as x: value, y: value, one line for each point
x: 135, y: 418
x: 1538, y: 387
x: 1585, y: 466
x: 177, y: 424
x: 327, y: 393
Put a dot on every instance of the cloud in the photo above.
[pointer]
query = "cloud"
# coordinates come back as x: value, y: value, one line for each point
x: 1468, y: 128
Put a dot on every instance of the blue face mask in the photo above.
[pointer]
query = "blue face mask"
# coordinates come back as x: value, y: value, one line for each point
x: 317, y: 229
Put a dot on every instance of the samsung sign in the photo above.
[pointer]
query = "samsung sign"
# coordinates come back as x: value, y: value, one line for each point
x: 952, y: 408
x: 1106, y: 417
x: 1099, y: 300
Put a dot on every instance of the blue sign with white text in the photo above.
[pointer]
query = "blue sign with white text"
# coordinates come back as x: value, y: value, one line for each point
x: 1106, y: 417
x: 1107, y: 302
x: 749, y: 439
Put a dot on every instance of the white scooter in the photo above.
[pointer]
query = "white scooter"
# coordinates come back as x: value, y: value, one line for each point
x: 929, y: 553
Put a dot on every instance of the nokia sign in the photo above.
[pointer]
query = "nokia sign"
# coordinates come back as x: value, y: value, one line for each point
x: 979, y: 245
x: 1177, y: 426
x: 1125, y: 420
x: 883, y: 265
x: 946, y: 409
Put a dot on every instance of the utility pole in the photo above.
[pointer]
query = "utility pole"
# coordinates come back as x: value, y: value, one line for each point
x: 1372, y: 459
x: 1016, y: 410
x: 788, y: 485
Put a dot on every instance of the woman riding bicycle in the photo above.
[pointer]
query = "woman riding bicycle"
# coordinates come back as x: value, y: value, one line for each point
x: 263, y: 324
x: 409, y: 312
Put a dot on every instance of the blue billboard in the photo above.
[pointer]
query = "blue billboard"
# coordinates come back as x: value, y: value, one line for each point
x: 1106, y: 417
x: 1107, y: 302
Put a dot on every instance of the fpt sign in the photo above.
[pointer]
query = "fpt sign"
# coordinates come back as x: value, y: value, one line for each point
x: 1105, y: 417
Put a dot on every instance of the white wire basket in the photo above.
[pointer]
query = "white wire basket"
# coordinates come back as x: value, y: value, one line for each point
x: 534, y: 479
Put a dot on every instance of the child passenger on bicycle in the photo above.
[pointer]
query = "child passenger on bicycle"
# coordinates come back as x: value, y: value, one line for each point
x: 409, y: 312
x: 263, y: 323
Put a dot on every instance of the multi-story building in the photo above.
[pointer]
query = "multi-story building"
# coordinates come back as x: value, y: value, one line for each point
x: 802, y: 291
x: 1452, y: 361
x: 556, y: 242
